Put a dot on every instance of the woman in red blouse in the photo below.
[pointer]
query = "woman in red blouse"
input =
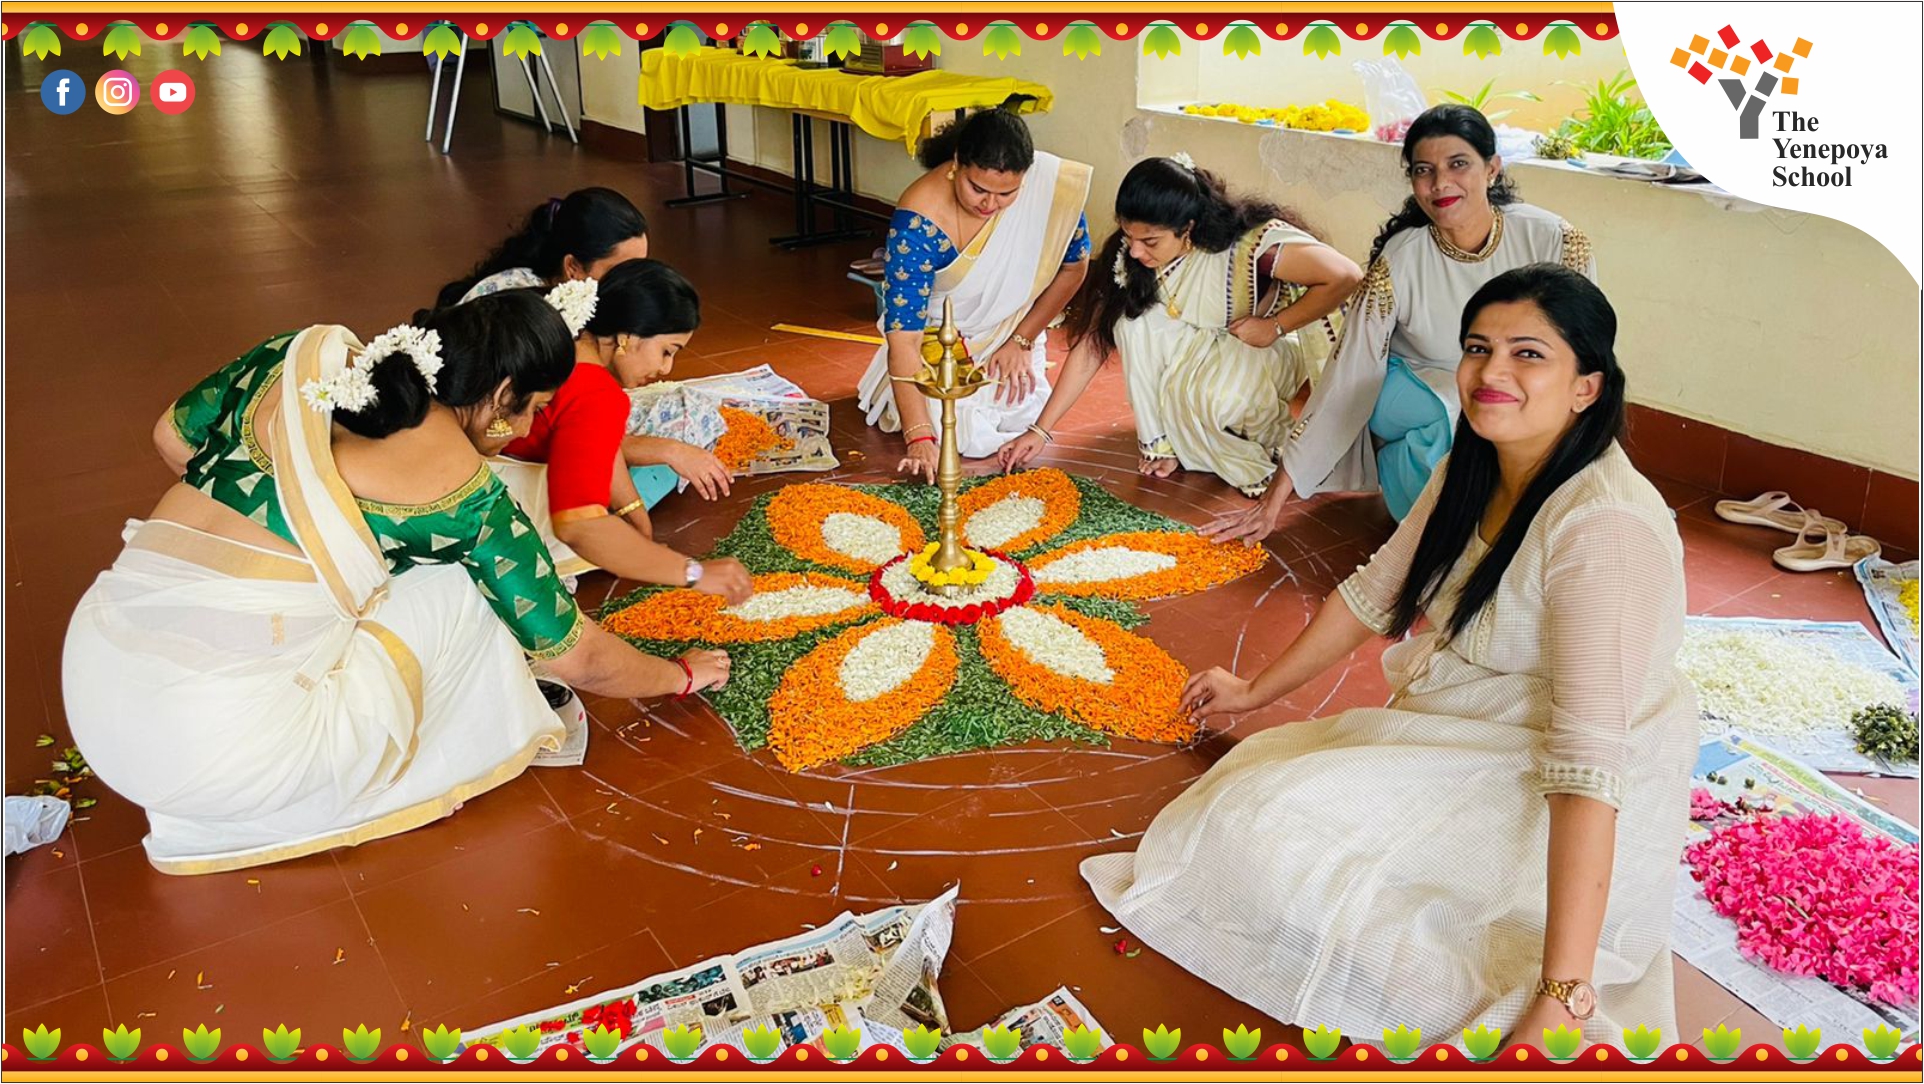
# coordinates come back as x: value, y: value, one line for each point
x: 644, y: 314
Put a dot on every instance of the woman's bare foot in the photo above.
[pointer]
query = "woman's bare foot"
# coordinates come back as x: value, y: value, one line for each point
x: 1156, y: 468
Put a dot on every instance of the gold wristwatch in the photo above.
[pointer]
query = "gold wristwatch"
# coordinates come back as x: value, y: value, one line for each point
x: 1576, y: 995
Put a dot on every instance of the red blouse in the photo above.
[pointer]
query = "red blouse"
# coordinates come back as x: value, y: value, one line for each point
x: 578, y: 434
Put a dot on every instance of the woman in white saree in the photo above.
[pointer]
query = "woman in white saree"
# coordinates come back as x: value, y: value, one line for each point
x: 996, y: 227
x: 320, y: 637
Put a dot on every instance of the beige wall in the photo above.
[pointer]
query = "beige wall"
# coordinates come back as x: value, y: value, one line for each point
x: 1794, y: 329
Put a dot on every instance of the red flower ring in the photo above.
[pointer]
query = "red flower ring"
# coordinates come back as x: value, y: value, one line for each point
x: 941, y: 614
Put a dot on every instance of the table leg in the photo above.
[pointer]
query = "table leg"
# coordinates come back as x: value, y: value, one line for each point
x: 690, y: 164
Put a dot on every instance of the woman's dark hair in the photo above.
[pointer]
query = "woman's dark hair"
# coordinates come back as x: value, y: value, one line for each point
x: 587, y: 225
x: 1454, y: 119
x: 1585, y: 320
x: 994, y: 139
x: 514, y: 335
x: 644, y: 297
x: 1161, y: 192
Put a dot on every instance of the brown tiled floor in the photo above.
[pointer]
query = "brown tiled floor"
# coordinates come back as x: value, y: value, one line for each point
x: 144, y: 250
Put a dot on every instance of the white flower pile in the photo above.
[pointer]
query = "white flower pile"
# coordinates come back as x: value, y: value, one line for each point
x: 1103, y: 563
x: 1053, y: 643
x: 885, y: 660
x: 900, y: 583
x: 802, y: 600
x: 993, y: 527
x: 864, y: 538
x: 1773, y: 686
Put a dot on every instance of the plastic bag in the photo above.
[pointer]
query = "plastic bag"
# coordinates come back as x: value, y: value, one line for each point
x: 1515, y: 144
x: 1391, y: 96
x: 34, y: 821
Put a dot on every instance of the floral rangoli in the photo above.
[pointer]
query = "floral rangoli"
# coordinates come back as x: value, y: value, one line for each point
x: 846, y: 652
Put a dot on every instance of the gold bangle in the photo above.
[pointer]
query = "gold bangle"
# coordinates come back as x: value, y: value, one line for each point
x: 622, y: 512
x: 910, y: 431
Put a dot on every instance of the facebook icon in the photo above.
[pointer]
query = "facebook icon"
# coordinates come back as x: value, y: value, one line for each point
x: 62, y: 91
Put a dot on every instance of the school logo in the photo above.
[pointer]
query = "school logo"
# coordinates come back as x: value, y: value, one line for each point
x: 1702, y: 61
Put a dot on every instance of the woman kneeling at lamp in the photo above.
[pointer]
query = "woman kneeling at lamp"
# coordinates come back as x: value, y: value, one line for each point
x: 1498, y: 846
x: 320, y: 636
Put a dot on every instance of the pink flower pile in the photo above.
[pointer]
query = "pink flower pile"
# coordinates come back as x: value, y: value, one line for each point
x: 1705, y: 806
x: 1814, y: 895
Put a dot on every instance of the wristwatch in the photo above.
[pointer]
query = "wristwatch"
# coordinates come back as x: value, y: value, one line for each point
x: 1576, y: 995
x: 692, y: 574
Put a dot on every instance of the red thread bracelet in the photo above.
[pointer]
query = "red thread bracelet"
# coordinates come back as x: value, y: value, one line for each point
x: 690, y: 671
x: 917, y: 440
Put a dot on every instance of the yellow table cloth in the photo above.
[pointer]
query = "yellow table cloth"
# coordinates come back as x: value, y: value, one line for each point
x: 884, y: 106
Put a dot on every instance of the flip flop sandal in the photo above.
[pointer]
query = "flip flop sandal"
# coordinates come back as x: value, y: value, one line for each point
x: 1818, y: 547
x: 1774, y: 509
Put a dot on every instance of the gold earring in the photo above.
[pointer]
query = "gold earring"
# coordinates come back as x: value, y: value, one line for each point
x: 500, y: 428
x: 951, y: 173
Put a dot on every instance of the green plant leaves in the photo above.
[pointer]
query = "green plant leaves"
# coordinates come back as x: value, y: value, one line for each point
x: 1161, y: 1043
x: 1613, y: 122
x: 201, y: 42
x: 1322, y: 41
x: 1482, y: 1042
x: 1081, y: 1043
x: 1802, y: 1043
x: 1321, y: 1043
x: 1722, y: 1044
x: 1880, y: 1044
x: 1002, y: 1043
x: 682, y: 1041
x: 761, y: 40
x: 522, y: 40
x: 921, y: 41
x: 1162, y: 41
x: 1563, y: 41
x: 281, y: 1043
x: 1403, y: 1043
x: 1642, y: 1043
x: 521, y: 1042
x: 122, y: 40
x: 1082, y: 40
x: 842, y: 40
x: 361, y: 1044
x: 1243, y: 41
x: 842, y: 1042
x: 121, y: 1044
x: 1561, y: 1042
x: 1402, y: 41
x: 283, y: 39
x: 601, y: 1041
x: 1483, y: 40
x: 442, y: 41
x: 201, y: 1044
x: 41, y: 1044
x: 360, y: 41
x: 922, y: 1042
x: 602, y: 40
x: 1242, y: 1042
x: 441, y: 1041
x: 40, y: 40
x: 1002, y: 41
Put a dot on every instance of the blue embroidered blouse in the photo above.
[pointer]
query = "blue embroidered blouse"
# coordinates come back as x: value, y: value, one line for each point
x: 917, y: 249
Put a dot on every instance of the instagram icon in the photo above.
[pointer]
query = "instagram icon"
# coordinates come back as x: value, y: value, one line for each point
x: 117, y: 92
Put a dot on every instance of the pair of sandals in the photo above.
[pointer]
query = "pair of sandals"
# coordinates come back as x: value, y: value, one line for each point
x: 1822, y: 542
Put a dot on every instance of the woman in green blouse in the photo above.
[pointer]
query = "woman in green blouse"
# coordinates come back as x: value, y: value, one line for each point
x: 320, y: 636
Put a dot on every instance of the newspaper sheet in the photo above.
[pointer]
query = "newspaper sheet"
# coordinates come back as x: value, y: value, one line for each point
x: 1709, y: 940
x: 1882, y: 581
x: 1833, y: 748
x: 877, y: 972
x: 574, y: 744
x: 1043, y: 1021
x: 690, y: 411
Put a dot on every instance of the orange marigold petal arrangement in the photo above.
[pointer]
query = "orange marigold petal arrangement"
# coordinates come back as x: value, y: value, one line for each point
x: 1088, y: 670
x: 785, y: 605
x: 1143, y: 565
x: 1015, y: 511
x: 841, y: 527
x: 748, y: 436
x: 816, y: 715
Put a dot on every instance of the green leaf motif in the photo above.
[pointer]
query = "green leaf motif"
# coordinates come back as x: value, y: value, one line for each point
x: 201, y: 42
x: 1082, y: 41
x: 682, y: 1041
x: 1880, y: 1043
x: 842, y: 1042
x: 361, y: 1044
x: 682, y: 39
x: 922, y: 1042
x: 601, y: 1041
x: 521, y: 1042
x: 1561, y: 1042
x: 1801, y: 1044
x: 121, y: 1044
x: 761, y: 40
x: 602, y: 40
x: 1563, y: 41
x: 280, y: 1042
x: 522, y: 40
x: 39, y: 40
x: 1322, y: 41
x: 441, y: 1041
x: 201, y: 1044
x: 1082, y: 1043
x: 283, y: 39
x: 842, y: 40
x: 122, y: 40
x: 1163, y: 41
x: 1403, y: 1043
x: 1321, y: 1043
x: 442, y: 41
x: 764, y: 1041
x: 1642, y: 1043
x: 1002, y: 1043
x: 1722, y: 1043
x: 1162, y: 1042
x: 1242, y: 41
x: 921, y: 41
x: 1402, y: 41
x: 1481, y: 1043
x: 1242, y: 1042
x: 1002, y: 41
x: 1483, y: 40
x: 41, y: 1044
x: 360, y: 41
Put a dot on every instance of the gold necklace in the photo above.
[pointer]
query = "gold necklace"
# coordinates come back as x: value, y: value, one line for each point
x: 1463, y: 255
x: 1170, y: 278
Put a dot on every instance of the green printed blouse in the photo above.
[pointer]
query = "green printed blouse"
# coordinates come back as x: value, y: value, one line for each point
x: 478, y: 526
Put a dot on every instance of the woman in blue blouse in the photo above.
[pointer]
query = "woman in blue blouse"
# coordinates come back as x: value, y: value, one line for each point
x: 996, y: 227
